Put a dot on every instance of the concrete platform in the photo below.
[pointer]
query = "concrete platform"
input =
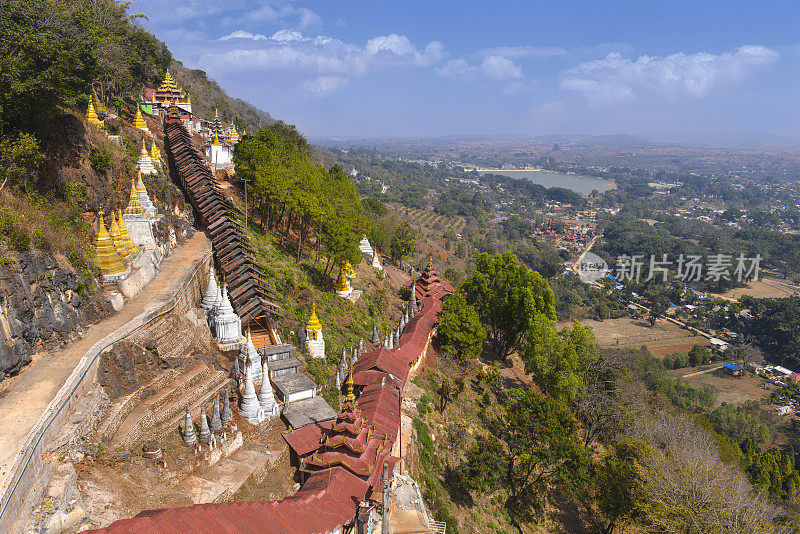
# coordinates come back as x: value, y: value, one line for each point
x: 226, y: 476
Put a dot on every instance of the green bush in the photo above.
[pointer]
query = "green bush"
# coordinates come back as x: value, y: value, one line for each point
x: 425, y: 405
x: 20, y: 240
x: 40, y: 240
x: 100, y: 159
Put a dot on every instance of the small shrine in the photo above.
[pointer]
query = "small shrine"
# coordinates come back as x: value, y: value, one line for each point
x: 145, y: 163
x: 315, y: 343
x: 91, y: 115
x: 149, y: 209
x: 227, y: 325
x: 233, y: 135
x: 111, y: 264
x: 138, y: 120
x: 219, y: 153
x: 248, y: 352
x: 155, y: 153
x: 249, y: 407
x: 137, y: 218
x: 342, y: 286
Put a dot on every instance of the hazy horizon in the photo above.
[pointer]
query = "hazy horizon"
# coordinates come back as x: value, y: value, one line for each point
x: 379, y: 69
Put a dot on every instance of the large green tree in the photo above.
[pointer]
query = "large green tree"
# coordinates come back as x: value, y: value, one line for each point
x: 509, y: 299
x: 619, y: 485
x: 460, y: 330
x: 560, y: 360
x: 532, y: 446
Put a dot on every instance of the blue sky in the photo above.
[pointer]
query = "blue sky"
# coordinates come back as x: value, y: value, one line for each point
x: 407, y: 68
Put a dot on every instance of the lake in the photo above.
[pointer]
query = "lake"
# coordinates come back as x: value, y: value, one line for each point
x: 580, y: 184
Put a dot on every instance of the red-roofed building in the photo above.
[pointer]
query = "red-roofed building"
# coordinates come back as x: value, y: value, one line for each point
x: 305, y: 440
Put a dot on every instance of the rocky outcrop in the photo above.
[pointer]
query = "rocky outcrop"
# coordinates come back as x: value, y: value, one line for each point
x: 42, y: 306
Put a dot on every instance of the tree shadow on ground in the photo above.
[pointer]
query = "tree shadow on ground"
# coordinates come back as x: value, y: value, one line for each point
x: 573, y: 515
x: 317, y: 276
x: 456, y: 487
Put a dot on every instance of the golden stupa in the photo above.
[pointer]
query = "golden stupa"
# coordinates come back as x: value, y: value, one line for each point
x: 234, y: 134
x: 91, y: 116
x: 116, y: 236
x: 342, y: 285
x: 313, y: 322
x: 106, y: 255
x: 155, y: 153
x: 134, y: 205
x: 140, y: 188
x: 138, y: 120
x: 349, y: 272
x: 216, y: 139
x: 126, y: 238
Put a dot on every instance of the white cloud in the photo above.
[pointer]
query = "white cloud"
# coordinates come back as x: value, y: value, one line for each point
x: 325, y: 63
x: 401, y: 46
x: 301, y: 18
x: 457, y: 68
x: 500, y: 68
x: 616, y: 78
x: 241, y: 34
x: 287, y: 35
x: 324, y: 85
x: 496, y: 68
x: 514, y: 52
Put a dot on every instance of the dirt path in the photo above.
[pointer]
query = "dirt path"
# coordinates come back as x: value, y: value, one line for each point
x: 25, y: 396
x: 701, y: 372
x: 396, y: 277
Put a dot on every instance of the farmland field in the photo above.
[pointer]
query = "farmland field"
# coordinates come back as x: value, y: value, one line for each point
x: 730, y: 389
x: 662, y: 339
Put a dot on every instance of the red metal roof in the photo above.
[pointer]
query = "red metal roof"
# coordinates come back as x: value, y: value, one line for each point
x: 307, y: 438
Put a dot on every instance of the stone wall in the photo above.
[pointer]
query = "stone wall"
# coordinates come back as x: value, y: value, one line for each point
x: 27, y: 471
x: 41, y: 307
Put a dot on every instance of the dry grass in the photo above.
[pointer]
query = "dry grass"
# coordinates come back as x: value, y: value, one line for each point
x: 663, y: 338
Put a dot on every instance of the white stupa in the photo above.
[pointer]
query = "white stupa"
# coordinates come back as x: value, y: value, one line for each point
x: 248, y: 350
x: 266, y: 397
x: 145, y: 162
x: 227, y: 325
x: 249, y: 408
x: 144, y: 198
x: 211, y: 295
x: 366, y: 248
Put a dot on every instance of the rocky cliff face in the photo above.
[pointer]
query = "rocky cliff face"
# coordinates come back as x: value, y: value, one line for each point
x: 41, y: 307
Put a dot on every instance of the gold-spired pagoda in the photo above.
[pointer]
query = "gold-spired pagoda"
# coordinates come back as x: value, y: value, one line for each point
x: 138, y: 120
x: 126, y: 238
x: 116, y: 237
x: 110, y: 263
x: 134, y: 205
x: 155, y: 153
x: 234, y: 135
x: 91, y: 115
x: 315, y: 342
x: 342, y: 286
